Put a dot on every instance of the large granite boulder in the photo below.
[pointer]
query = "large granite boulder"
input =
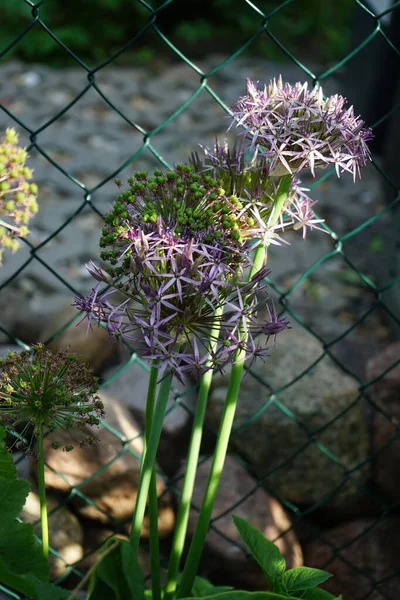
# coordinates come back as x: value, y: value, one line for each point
x: 299, y: 422
x: 363, y: 557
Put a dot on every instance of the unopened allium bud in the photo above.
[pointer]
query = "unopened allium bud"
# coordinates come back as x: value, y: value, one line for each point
x: 181, y: 203
x: 295, y: 128
x: 17, y: 195
x: 49, y: 391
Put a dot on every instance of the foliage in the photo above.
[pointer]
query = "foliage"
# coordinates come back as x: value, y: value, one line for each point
x: 307, y: 26
x: 30, y: 575
x: 118, y: 575
x: 300, y: 582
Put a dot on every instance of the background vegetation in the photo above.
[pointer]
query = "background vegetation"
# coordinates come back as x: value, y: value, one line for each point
x: 95, y: 29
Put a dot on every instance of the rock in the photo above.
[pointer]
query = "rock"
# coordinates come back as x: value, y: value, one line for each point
x: 310, y: 394
x: 225, y: 558
x: 130, y: 389
x: 359, y: 553
x: 386, y: 393
x: 106, y: 473
x: 65, y: 532
x: 91, y: 345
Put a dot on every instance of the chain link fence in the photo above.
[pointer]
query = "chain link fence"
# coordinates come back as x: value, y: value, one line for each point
x: 357, y: 495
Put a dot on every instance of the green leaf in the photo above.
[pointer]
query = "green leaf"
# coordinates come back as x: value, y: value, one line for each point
x: 265, y: 552
x: 49, y: 591
x: 120, y: 571
x: 303, y: 578
x: 317, y: 594
x: 132, y: 571
x: 19, y: 583
x: 13, y: 494
x: 7, y: 467
x: 20, y: 552
x: 100, y: 591
x: 31, y: 587
x: 203, y: 588
x: 239, y: 595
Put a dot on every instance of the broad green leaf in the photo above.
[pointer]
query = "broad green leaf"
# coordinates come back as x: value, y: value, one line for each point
x: 265, y: 552
x: 7, y: 467
x: 303, y: 578
x: 132, y: 571
x: 317, y: 594
x: 120, y: 571
x: 19, y: 583
x: 100, y: 591
x: 19, y: 550
x: 49, y: 591
x: 203, y: 588
x: 31, y: 587
x: 239, y: 595
x: 13, y: 494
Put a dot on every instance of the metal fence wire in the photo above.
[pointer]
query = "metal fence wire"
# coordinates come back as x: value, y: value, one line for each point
x: 379, y: 289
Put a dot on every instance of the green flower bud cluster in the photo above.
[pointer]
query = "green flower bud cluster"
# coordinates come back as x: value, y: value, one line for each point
x: 46, y: 391
x: 182, y: 202
x: 17, y: 195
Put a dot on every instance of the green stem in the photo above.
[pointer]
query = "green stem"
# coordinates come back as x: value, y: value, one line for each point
x: 42, y: 496
x: 149, y: 462
x: 196, y: 547
x: 182, y: 518
x: 279, y: 200
x: 153, y: 498
x: 203, y: 523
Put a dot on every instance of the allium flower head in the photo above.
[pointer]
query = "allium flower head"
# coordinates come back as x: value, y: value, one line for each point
x: 249, y: 181
x: 17, y: 196
x: 180, y: 203
x: 176, y: 255
x: 175, y: 311
x: 49, y: 391
x: 295, y: 128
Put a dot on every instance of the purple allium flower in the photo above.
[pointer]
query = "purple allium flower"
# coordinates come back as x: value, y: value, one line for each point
x: 249, y: 184
x: 176, y: 249
x: 172, y: 290
x: 17, y: 195
x: 49, y: 391
x: 294, y: 128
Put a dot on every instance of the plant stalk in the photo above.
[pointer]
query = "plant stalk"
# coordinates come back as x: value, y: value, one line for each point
x: 153, y: 498
x: 182, y: 518
x: 42, y: 496
x: 203, y: 523
x: 149, y: 462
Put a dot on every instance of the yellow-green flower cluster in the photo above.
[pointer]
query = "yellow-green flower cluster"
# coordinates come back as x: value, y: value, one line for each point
x: 17, y: 195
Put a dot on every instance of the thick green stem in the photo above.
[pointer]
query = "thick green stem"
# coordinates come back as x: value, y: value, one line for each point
x: 153, y: 498
x: 149, y: 462
x: 190, y: 473
x: 42, y: 496
x: 279, y: 200
x: 196, y: 547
